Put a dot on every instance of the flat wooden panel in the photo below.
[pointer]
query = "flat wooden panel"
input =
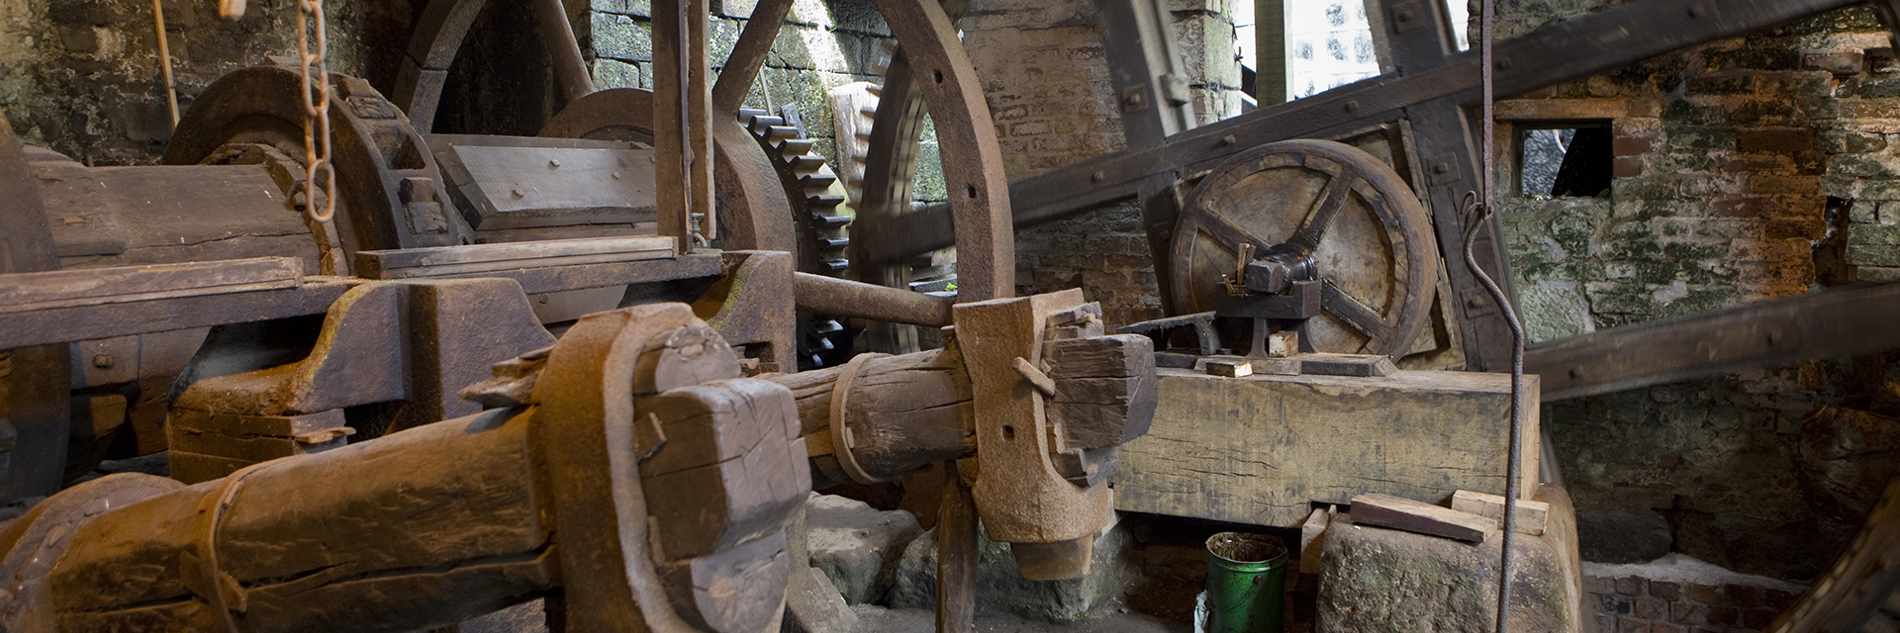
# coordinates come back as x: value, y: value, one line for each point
x: 122, y: 284
x: 1259, y: 449
x: 522, y: 187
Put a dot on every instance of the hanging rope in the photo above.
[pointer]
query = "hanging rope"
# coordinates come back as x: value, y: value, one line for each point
x: 1476, y: 212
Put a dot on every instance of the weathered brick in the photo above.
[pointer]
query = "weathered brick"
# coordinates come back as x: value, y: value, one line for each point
x: 1705, y: 594
x: 1784, y: 183
x: 1631, y: 145
x: 1880, y: 190
x: 1743, y: 208
x: 1664, y: 628
x: 1627, y: 167
x: 1778, y: 140
x: 1667, y: 591
x: 1873, y: 254
x: 1686, y: 613
x: 1877, y: 274
x: 1725, y: 616
x: 1612, y: 603
x: 1724, y: 85
x: 1632, y: 585
x: 1841, y: 63
x: 1650, y: 608
x: 1631, y: 625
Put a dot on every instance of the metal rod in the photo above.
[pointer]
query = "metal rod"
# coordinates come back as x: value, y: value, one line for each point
x: 841, y: 298
x: 165, y: 57
x: 1479, y: 213
x: 570, y: 67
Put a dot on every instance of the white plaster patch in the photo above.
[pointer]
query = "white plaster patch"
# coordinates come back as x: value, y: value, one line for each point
x: 1686, y: 569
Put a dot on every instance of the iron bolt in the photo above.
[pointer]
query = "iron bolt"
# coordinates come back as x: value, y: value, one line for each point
x: 102, y: 361
x: 554, y: 164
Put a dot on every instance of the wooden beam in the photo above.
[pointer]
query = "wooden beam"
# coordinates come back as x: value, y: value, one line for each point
x: 54, y: 289
x: 1262, y: 449
x: 1842, y: 322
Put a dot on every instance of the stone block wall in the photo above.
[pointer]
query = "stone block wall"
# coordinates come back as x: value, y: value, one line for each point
x: 83, y: 76
x: 1046, y: 78
x: 1745, y: 170
x: 824, y: 44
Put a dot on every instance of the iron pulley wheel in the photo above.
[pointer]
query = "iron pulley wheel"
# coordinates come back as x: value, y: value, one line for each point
x: 1369, y: 239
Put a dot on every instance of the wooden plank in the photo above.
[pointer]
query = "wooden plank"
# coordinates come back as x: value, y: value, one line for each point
x: 1260, y: 449
x: 1531, y: 515
x: 83, y: 323
x: 1357, y: 365
x: 121, y: 284
x: 582, y: 276
x: 524, y: 187
x: 452, y: 260
x: 1398, y: 513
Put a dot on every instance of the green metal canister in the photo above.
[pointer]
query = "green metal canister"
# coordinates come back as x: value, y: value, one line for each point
x: 1246, y: 574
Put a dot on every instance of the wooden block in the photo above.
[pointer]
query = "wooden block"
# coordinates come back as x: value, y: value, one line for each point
x: 1416, y: 516
x: 1346, y: 365
x: 1283, y: 343
x: 1230, y: 368
x: 1531, y: 515
x: 1261, y: 449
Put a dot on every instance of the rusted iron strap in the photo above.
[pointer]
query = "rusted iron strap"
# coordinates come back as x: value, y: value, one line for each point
x: 1846, y: 322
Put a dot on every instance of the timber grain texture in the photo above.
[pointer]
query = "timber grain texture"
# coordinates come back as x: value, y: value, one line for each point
x: 1261, y: 449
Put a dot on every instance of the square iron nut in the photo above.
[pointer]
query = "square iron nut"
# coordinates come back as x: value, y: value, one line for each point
x: 730, y: 467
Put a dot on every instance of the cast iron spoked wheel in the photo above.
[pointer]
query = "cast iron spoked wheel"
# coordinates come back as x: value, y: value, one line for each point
x: 380, y: 162
x: 1370, y: 239
x: 1862, y: 591
x: 34, y: 400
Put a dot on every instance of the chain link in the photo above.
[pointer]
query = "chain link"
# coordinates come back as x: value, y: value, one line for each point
x: 316, y: 124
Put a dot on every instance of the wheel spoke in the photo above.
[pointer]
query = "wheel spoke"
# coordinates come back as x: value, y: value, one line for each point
x: 1354, y: 312
x: 1331, y: 200
x: 1223, y: 228
x: 742, y: 66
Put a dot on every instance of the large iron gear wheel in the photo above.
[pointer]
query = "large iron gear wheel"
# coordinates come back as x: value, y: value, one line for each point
x: 1369, y: 237
x: 799, y: 183
x: 823, y: 227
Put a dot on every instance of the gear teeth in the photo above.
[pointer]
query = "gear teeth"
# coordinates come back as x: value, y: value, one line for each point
x: 764, y: 123
x: 794, y: 147
x: 781, y: 133
x: 808, y: 181
x: 820, y: 183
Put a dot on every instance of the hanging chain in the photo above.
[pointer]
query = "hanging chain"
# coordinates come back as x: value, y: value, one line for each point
x: 316, y: 106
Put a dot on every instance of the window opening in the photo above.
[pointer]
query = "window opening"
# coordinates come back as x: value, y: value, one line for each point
x: 1565, y: 161
x: 1328, y: 45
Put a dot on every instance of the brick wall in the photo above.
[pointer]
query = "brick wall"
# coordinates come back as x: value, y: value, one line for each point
x: 1634, y: 604
x: 1748, y: 169
x: 1046, y: 79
